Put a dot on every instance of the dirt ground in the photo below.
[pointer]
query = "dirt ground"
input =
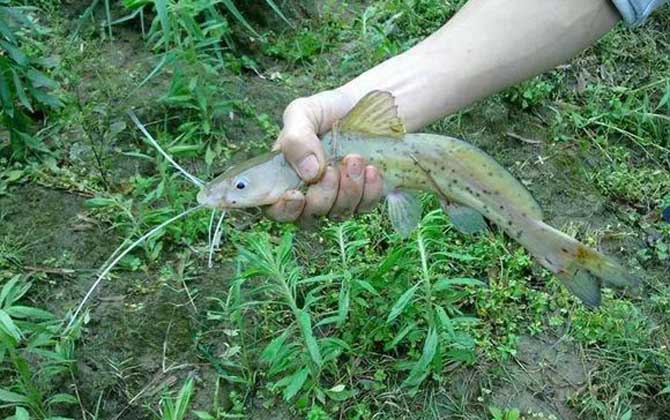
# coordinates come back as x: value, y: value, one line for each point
x: 145, y: 334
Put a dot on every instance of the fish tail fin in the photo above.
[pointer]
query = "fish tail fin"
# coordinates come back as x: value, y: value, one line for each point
x: 580, y: 268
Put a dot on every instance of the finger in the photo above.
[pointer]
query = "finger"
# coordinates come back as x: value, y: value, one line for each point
x: 299, y: 143
x: 372, y: 190
x: 352, y: 177
x: 288, y: 208
x: 320, y: 197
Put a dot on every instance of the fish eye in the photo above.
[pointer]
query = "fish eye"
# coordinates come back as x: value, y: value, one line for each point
x: 241, y: 183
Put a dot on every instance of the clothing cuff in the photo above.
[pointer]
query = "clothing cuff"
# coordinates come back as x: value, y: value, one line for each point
x: 635, y: 12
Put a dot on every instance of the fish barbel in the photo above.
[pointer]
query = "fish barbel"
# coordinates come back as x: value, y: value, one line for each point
x: 470, y: 184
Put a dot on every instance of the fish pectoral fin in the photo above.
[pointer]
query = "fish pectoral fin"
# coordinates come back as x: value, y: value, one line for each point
x: 583, y: 284
x: 376, y: 114
x: 464, y: 219
x: 404, y: 210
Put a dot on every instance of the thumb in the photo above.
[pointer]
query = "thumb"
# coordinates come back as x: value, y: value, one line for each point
x: 304, y: 119
x: 302, y: 149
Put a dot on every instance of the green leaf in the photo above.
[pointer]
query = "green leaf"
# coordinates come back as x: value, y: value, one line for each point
x: 62, y: 399
x: 20, y: 413
x: 366, y: 286
x: 45, y: 98
x: 400, y: 304
x: 305, y: 323
x: 7, y: 325
x: 339, y: 393
x: 422, y: 366
x: 278, y: 12
x: 162, y: 11
x: 183, y: 148
x: 19, y: 311
x: 5, y: 30
x: 295, y: 383
x: 273, y: 349
x: 7, y: 290
x: 6, y: 97
x: 396, y: 340
x: 99, y: 202
x: 15, y: 53
x: 444, y: 284
x: 458, y: 256
x: 12, y: 397
x: 232, y: 9
x: 203, y: 415
x: 343, y: 301
x: 445, y: 322
x: 21, y: 92
x: 40, y: 79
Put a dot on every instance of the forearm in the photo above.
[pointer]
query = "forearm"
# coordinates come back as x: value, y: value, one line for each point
x: 487, y: 46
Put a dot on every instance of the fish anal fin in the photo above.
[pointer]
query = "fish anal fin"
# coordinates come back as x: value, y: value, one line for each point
x: 464, y: 219
x: 582, y: 284
x: 376, y: 114
x: 404, y: 211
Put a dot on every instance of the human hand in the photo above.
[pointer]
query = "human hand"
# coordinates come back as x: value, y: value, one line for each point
x: 349, y: 187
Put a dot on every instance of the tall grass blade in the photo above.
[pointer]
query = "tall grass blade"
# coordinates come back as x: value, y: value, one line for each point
x: 237, y: 15
x: 108, y: 14
x: 278, y: 11
x: 162, y: 11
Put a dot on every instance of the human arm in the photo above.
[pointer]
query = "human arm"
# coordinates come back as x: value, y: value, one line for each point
x: 487, y: 46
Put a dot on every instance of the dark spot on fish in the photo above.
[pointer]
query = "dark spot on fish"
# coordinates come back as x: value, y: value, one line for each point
x: 442, y: 167
x: 564, y: 250
x: 548, y: 261
x: 502, y: 207
x: 490, y: 174
x: 509, y: 223
x: 524, y: 215
x: 453, y: 171
x: 582, y: 253
x: 233, y: 202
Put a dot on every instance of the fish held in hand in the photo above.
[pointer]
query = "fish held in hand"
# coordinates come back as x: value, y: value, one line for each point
x: 470, y: 184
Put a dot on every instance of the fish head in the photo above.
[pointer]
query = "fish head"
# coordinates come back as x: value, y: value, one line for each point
x: 257, y: 182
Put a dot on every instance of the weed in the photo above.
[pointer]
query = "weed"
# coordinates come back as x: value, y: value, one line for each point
x: 24, y: 88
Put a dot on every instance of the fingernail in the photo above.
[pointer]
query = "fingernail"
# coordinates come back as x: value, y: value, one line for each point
x: 355, y: 168
x: 308, y: 167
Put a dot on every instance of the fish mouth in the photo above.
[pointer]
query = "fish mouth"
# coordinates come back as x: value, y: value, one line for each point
x: 205, y: 198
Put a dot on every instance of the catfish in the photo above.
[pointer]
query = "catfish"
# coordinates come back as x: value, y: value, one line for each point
x: 471, y: 186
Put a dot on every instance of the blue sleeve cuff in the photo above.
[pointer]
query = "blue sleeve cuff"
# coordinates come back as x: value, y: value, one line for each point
x: 635, y: 12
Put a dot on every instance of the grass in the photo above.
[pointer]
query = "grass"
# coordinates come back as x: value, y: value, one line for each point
x: 347, y: 320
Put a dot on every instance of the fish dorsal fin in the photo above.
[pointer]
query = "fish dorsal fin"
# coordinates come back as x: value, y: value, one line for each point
x: 464, y: 219
x: 376, y: 114
x: 404, y: 211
